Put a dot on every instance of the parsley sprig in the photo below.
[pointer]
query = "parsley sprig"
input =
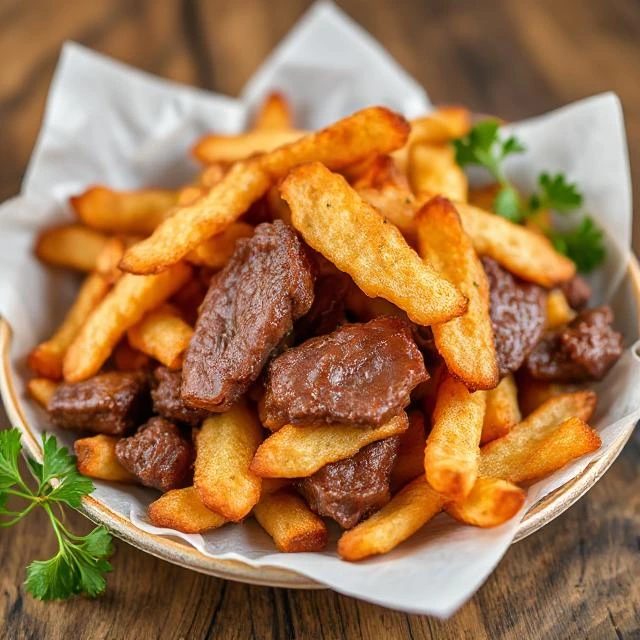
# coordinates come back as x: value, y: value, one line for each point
x: 81, y: 561
x: 483, y: 146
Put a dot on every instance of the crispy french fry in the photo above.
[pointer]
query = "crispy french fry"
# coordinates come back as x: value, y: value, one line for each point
x: 289, y: 521
x: 189, y: 194
x: 369, y: 132
x: 182, y: 510
x: 225, y: 446
x: 211, y: 175
x: 70, y: 245
x: 335, y: 221
x: 123, y: 307
x: 452, y: 452
x: 47, y: 358
x: 97, y: 459
x: 410, y: 461
x: 466, y: 343
x: 408, y: 511
x: 274, y: 113
x: 137, y: 212
x: 523, y: 252
x: 433, y: 171
x: 298, y: 452
x: 502, y: 411
x: 532, y: 393
x: 558, y: 310
x: 109, y: 258
x: 42, y: 390
x: 216, y: 251
x: 492, y: 502
x: 163, y: 335
x: 126, y: 358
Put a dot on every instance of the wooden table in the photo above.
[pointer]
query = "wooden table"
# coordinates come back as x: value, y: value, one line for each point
x: 578, y: 577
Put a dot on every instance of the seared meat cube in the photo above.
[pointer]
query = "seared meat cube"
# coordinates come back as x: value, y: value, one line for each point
x: 361, y: 374
x: 167, y: 401
x: 158, y: 455
x: 577, y: 292
x: 114, y: 403
x: 351, y: 490
x: 250, y: 306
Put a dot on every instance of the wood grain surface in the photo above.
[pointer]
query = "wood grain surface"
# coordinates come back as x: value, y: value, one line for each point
x: 576, y: 578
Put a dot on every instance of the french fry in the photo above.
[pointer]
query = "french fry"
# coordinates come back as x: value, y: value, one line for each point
x: 97, y: 459
x: 126, y: 358
x: 216, y: 251
x: 452, y: 453
x: 109, y: 258
x: 42, y: 390
x: 289, y: 521
x: 532, y: 393
x: 47, y: 358
x: 137, y: 212
x: 298, y: 452
x: 124, y: 306
x: 274, y: 114
x: 466, y: 343
x: 369, y: 132
x: 410, y: 461
x: 182, y: 510
x: 189, y: 194
x: 433, y: 171
x: 502, y: 411
x: 210, y: 177
x: 558, y: 310
x: 492, y: 502
x: 70, y: 245
x: 523, y: 252
x: 163, y: 335
x: 335, y: 221
x: 225, y: 446
x: 408, y: 511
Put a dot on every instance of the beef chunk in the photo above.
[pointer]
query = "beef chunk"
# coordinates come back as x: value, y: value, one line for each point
x: 351, y: 490
x: 113, y: 403
x: 584, y: 350
x: 167, y: 401
x: 518, y: 314
x: 361, y: 374
x: 577, y: 292
x: 158, y: 455
x: 249, y: 308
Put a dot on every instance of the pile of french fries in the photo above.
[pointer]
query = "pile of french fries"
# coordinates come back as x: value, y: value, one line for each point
x: 384, y: 201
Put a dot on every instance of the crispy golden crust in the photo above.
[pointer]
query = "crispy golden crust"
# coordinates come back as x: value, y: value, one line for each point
x: 502, y: 411
x: 97, y: 459
x: 182, y: 510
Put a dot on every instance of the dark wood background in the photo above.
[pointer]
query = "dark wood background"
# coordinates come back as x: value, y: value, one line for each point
x: 578, y: 577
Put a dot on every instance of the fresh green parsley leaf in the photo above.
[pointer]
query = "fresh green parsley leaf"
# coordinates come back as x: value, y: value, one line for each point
x: 507, y: 204
x: 10, y: 448
x: 584, y: 245
x: 556, y: 193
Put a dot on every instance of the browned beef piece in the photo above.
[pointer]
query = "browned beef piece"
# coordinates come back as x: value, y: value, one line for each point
x: 518, y: 314
x: 167, y: 401
x: 577, y: 292
x: 584, y: 350
x: 158, y: 455
x: 249, y: 308
x: 360, y: 374
x: 351, y: 490
x: 114, y: 402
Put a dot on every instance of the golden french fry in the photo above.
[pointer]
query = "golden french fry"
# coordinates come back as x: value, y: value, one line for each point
x: 225, y: 446
x: 216, y: 251
x: 70, y: 245
x: 109, y: 258
x: 433, y: 171
x: 123, y: 307
x: 47, y: 358
x: 182, y: 510
x: 42, y: 390
x: 289, y: 521
x: 558, y: 310
x: 189, y: 194
x: 137, y: 212
x: 335, y: 221
x: 532, y: 393
x: 452, y: 452
x: 126, y: 358
x: 369, y: 132
x: 274, y: 113
x: 410, y: 461
x: 523, y: 252
x: 209, y: 177
x: 408, y: 511
x: 163, y: 335
x: 492, y: 502
x: 502, y: 411
x: 298, y: 452
x: 466, y: 343
x: 97, y: 459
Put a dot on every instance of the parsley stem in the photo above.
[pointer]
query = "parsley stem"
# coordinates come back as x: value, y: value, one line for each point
x: 19, y: 494
x: 55, y: 524
x: 18, y: 516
